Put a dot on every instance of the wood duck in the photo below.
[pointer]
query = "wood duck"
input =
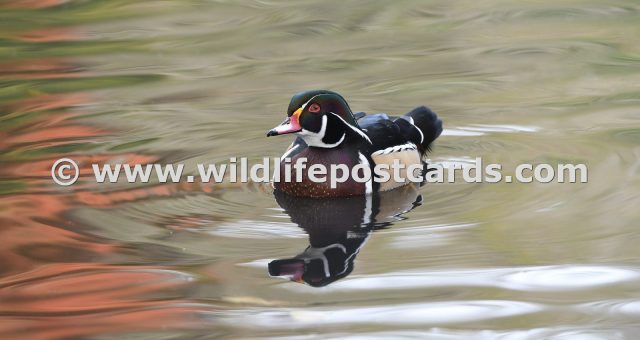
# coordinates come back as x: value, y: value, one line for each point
x: 338, y: 228
x: 329, y: 133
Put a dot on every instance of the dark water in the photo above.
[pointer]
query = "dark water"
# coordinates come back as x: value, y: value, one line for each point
x: 201, y: 81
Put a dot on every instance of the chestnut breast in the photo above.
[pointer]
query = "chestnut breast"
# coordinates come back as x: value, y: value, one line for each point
x: 326, y: 157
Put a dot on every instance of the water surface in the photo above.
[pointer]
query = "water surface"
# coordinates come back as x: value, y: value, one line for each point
x: 201, y: 81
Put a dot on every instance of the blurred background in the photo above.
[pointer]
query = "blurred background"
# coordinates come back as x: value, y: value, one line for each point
x: 201, y: 81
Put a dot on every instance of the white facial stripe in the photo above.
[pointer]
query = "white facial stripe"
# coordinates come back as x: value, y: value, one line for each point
x: 368, y: 184
x: 358, y: 131
x: 308, y: 101
x: 315, y: 138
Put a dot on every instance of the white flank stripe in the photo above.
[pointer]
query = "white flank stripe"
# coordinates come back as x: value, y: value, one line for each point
x: 397, y: 148
x: 368, y: 184
x: 366, y: 219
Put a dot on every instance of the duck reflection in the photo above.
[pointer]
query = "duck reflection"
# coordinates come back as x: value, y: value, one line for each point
x: 338, y: 228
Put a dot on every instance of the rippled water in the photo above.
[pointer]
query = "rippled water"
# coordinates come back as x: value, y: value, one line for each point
x: 200, y: 81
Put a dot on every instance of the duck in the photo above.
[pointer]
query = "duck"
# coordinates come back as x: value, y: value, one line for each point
x: 337, y: 230
x: 329, y: 133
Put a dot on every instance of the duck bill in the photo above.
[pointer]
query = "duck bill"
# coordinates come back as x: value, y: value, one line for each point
x: 290, y: 125
x: 293, y: 269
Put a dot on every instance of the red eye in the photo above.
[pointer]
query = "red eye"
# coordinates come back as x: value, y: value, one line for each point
x: 314, y: 108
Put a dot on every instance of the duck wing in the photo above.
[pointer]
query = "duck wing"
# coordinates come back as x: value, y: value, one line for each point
x: 420, y: 127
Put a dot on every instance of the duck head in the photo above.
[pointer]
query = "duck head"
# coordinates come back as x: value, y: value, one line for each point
x: 321, y: 118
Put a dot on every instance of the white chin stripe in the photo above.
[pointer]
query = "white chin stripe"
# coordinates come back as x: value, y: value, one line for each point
x: 315, y: 138
x: 397, y: 148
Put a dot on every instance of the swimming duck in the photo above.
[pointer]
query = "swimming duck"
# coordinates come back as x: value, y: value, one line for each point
x: 328, y: 132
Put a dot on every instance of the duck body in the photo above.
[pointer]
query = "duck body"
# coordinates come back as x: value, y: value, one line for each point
x: 328, y: 133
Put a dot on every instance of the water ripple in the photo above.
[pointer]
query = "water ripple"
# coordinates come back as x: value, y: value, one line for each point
x: 401, y: 314
x: 549, y: 278
x: 200, y: 81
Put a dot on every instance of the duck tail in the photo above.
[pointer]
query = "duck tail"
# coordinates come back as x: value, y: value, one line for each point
x: 421, y: 126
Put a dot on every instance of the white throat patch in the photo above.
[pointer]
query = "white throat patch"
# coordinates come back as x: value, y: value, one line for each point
x: 315, y: 138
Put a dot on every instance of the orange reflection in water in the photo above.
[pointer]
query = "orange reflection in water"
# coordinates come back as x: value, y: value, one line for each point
x: 64, y: 300
x: 50, y: 34
x: 50, y: 68
x: 31, y: 4
x: 55, y: 280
